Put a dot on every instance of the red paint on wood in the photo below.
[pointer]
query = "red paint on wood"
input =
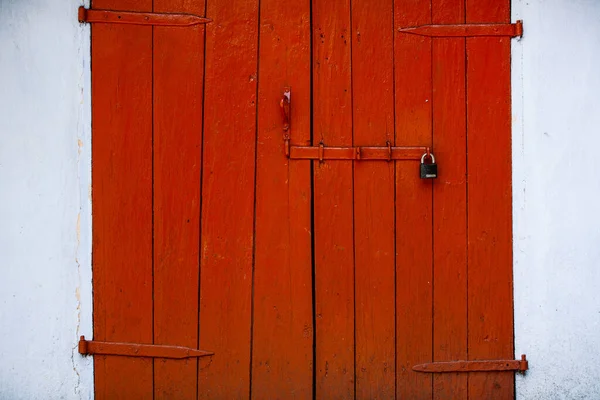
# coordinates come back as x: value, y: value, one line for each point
x: 373, y: 125
x: 333, y: 212
x: 178, y: 91
x: 412, y: 56
x: 489, y: 201
x: 355, y: 218
x: 282, y: 352
x: 139, y: 18
x: 227, y: 236
x: 122, y: 200
x: 449, y: 202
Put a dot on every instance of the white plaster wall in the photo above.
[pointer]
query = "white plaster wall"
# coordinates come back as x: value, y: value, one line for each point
x: 45, y: 223
x: 556, y: 164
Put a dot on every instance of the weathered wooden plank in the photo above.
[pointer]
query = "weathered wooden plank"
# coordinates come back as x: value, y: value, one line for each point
x: 449, y: 202
x: 413, y: 203
x: 282, y: 348
x: 333, y: 208
x: 228, y: 172
x: 122, y: 199
x: 178, y: 91
x: 373, y: 125
x: 490, y: 298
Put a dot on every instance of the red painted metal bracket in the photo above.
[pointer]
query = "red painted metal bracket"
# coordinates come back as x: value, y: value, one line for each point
x: 474, y: 366
x: 285, y: 104
x: 138, y: 350
x: 388, y: 153
x: 467, y: 30
x: 139, y: 18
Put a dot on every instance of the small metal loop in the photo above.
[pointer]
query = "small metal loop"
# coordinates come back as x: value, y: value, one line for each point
x: 389, y: 146
x: 358, y: 153
x: 428, y: 155
x: 285, y: 104
x: 321, y: 151
x: 286, y: 143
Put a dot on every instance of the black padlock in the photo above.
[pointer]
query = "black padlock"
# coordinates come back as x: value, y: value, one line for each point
x: 428, y: 171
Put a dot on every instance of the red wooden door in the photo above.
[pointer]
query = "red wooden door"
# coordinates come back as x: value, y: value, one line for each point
x: 307, y: 278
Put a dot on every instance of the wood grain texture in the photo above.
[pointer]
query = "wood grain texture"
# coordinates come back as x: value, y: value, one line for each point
x: 489, y: 201
x: 203, y: 238
x: 227, y: 235
x: 122, y: 200
x: 178, y: 91
x: 373, y: 125
x: 449, y: 202
x: 413, y: 204
x: 333, y: 208
x: 282, y: 354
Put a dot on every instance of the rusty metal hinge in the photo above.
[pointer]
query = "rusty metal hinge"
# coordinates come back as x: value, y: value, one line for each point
x: 467, y: 30
x: 139, y: 350
x: 139, y: 18
x: 474, y: 366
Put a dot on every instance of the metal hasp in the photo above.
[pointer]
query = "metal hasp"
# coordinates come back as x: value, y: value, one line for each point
x: 139, y: 18
x: 286, y: 105
x: 322, y: 152
x: 474, y: 366
x: 467, y: 30
x: 138, y: 350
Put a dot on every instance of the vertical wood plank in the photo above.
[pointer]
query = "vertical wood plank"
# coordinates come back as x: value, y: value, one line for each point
x: 373, y: 125
x: 282, y: 355
x: 449, y: 202
x: 122, y: 199
x: 228, y: 170
x: 489, y: 201
x: 178, y: 91
x: 413, y: 203
x: 333, y: 201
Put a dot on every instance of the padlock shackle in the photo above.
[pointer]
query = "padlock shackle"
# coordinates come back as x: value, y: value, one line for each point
x: 430, y: 155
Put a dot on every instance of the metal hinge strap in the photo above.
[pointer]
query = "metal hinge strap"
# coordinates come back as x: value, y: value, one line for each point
x: 139, y: 18
x: 467, y: 30
x: 474, y: 366
x: 138, y: 350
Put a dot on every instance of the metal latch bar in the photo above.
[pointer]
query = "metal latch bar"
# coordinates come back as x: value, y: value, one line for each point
x: 474, y: 366
x: 356, y: 153
x: 138, y: 350
x: 139, y: 18
x: 322, y: 152
x: 466, y: 30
